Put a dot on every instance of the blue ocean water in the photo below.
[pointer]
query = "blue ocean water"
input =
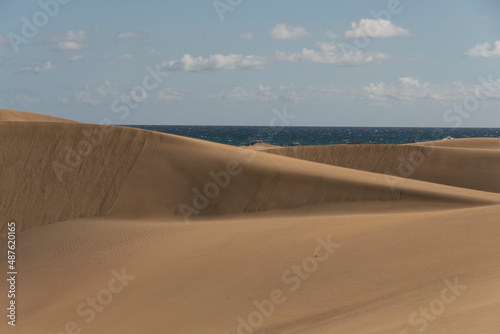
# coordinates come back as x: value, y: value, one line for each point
x: 243, y: 135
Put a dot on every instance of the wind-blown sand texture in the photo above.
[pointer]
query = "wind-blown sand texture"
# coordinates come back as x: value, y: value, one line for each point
x: 413, y: 249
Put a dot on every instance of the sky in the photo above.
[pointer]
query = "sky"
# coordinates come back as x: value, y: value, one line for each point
x: 242, y: 62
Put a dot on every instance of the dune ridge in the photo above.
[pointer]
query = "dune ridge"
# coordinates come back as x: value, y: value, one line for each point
x: 431, y: 162
x: 116, y: 164
x: 24, y: 116
x: 351, y: 248
x: 169, y: 171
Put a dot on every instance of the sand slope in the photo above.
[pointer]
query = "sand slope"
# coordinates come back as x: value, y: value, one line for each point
x: 170, y: 173
x: 202, y: 277
x: 450, y: 162
x: 398, y: 242
x: 59, y: 171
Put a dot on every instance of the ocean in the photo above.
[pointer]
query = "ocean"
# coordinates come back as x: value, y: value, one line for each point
x: 243, y: 135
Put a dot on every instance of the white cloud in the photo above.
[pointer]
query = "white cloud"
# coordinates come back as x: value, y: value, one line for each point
x: 409, y: 89
x: 86, y: 96
x: 485, y: 50
x: 331, y: 34
x: 26, y: 99
x: 68, y: 46
x: 246, y: 36
x: 282, y: 93
x: 241, y: 94
x: 69, y: 41
x: 331, y: 53
x: 48, y: 66
x: 130, y: 35
x: 71, y: 35
x: 215, y: 62
x: 169, y: 95
x: 327, y: 52
x: 104, y: 93
x: 106, y: 56
x: 124, y: 57
x: 75, y: 58
x: 153, y: 52
x: 62, y: 100
x: 283, y: 31
x: 406, y: 90
x: 372, y: 28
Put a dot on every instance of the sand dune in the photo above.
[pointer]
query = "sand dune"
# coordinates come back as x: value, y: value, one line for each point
x: 373, y: 249
x: 22, y: 116
x: 167, y: 173
x: 59, y: 171
x: 476, y: 143
x: 204, y: 276
x: 449, y: 162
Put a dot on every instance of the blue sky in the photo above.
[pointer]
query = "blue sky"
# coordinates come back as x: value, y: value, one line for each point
x: 232, y: 62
